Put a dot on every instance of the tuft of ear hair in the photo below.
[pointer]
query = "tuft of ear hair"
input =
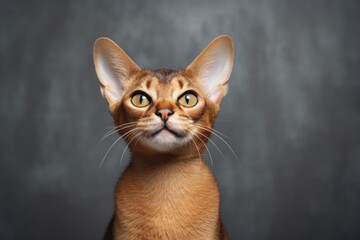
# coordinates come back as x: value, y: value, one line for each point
x: 113, y: 68
x: 213, y: 66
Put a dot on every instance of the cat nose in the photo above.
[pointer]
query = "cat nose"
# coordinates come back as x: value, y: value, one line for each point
x: 164, y: 113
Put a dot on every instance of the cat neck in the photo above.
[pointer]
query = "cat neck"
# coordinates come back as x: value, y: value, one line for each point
x: 168, y: 172
x: 151, y: 160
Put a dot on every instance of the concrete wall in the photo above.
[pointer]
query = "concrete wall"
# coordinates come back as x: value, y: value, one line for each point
x: 292, y: 112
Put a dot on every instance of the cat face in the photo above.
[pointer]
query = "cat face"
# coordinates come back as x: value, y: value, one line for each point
x: 167, y: 109
x: 164, y: 110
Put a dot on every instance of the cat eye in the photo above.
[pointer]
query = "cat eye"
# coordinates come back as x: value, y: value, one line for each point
x: 140, y: 100
x: 188, y: 100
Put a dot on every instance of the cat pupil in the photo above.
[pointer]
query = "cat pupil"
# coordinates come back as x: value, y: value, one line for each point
x: 187, y: 99
x: 141, y: 99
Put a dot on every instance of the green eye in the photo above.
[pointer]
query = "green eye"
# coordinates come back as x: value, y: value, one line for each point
x: 188, y: 100
x: 140, y: 100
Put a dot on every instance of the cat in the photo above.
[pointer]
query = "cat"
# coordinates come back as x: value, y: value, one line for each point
x: 166, y: 117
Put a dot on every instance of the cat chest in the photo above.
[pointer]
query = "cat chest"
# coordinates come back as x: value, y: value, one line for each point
x: 167, y: 212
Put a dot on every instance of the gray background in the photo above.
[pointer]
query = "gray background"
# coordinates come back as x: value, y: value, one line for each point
x: 292, y: 112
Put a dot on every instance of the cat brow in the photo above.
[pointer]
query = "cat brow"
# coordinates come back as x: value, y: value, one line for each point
x: 148, y: 83
x: 181, y: 84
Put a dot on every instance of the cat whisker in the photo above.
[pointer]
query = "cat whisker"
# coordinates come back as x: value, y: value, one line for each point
x: 112, y: 129
x: 217, y: 133
x: 116, y: 131
x: 227, y: 146
x: 118, y: 128
x: 212, y: 143
x: 206, y: 128
x: 117, y: 140
x: 138, y: 141
x: 121, y: 125
x: 211, y: 130
x: 127, y: 146
x: 197, y: 149
x: 207, y: 149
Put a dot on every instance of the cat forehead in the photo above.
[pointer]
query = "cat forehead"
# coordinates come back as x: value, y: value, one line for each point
x: 163, y: 78
x: 165, y: 75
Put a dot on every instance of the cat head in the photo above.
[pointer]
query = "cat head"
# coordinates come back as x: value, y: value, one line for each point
x: 163, y: 110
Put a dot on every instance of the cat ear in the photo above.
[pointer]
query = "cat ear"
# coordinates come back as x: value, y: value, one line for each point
x: 113, y: 68
x: 212, y: 67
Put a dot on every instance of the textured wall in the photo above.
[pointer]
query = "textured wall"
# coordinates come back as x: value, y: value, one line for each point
x: 292, y: 112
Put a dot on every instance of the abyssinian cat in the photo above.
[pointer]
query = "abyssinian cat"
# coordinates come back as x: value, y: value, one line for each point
x: 165, y: 117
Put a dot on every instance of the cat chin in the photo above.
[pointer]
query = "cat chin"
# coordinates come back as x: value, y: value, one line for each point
x: 165, y: 141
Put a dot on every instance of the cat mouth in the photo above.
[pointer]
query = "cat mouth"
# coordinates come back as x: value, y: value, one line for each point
x: 167, y: 129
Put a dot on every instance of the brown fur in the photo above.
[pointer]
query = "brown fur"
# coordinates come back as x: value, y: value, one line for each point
x: 168, y: 194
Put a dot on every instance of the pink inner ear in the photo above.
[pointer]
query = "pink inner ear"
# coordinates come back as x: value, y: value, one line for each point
x: 111, y: 85
x: 113, y: 67
x: 213, y: 67
x: 215, y: 72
